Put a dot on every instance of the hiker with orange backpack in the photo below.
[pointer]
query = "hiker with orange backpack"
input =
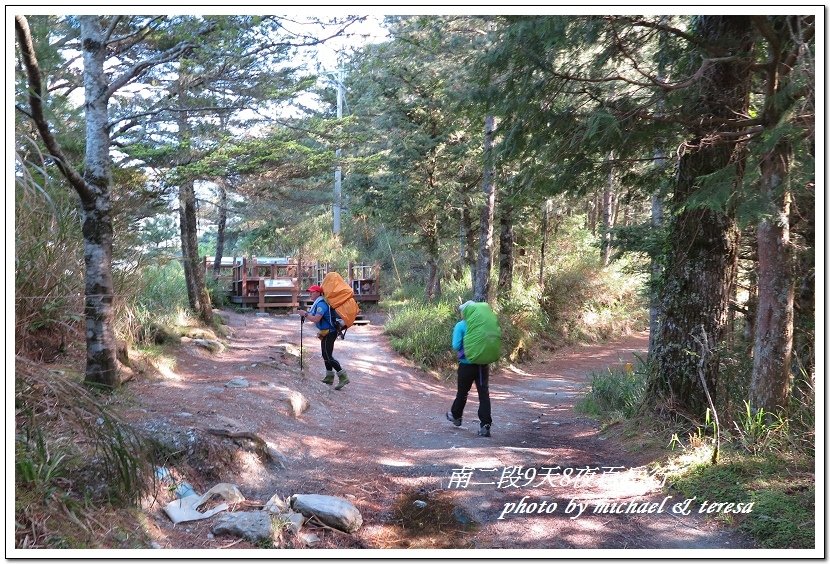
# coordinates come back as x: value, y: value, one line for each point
x: 324, y: 318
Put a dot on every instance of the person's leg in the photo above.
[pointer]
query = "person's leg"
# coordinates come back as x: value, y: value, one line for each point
x: 466, y: 375
x: 328, y: 351
x: 326, y: 354
x: 342, y: 377
x: 482, y: 380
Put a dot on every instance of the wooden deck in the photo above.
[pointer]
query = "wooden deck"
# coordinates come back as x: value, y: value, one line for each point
x: 279, y: 282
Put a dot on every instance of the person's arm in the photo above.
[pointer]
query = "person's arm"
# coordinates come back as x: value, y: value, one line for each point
x: 458, y: 335
x: 311, y: 315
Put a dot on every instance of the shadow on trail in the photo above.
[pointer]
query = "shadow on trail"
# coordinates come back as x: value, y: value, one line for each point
x: 385, y: 433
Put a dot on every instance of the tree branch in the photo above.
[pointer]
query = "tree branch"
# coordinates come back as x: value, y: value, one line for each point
x: 661, y: 27
x: 111, y: 28
x: 27, y: 50
x: 125, y: 42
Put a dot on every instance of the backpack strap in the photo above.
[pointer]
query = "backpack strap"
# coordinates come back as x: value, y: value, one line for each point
x: 333, y: 321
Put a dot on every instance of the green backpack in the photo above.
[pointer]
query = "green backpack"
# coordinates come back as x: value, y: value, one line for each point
x: 482, y: 341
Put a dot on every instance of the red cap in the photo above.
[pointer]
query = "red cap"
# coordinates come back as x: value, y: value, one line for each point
x: 314, y: 288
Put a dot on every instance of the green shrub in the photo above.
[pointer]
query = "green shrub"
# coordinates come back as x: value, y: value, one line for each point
x: 218, y: 290
x: 615, y: 394
x: 423, y: 332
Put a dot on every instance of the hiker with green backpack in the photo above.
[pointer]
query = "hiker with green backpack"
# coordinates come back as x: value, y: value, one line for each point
x: 477, y: 340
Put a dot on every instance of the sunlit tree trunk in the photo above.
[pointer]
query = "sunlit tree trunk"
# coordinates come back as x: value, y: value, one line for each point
x: 545, y: 219
x: 485, y: 249
x: 194, y: 274
x: 470, y: 244
x: 101, y: 367
x: 433, y: 281
x: 506, y: 240
x: 607, y: 212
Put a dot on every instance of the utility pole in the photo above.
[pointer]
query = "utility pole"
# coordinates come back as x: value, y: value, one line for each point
x: 338, y: 192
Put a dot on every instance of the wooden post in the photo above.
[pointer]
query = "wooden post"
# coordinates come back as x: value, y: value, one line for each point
x: 244, y: 290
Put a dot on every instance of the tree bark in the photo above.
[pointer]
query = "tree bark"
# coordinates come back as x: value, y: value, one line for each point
x: 433, y: 283
x: 545, y: 220
x: 656, y: 272
x: 194, y: 274
x: 702, y: 260
x: 481, y: 291
x: 470, y: 243
x: 221, y: 222
x: 505, y: 284
x: 101, y: 366
x: 772, y: 352
x: 607, y: 212
x: 774, y: 325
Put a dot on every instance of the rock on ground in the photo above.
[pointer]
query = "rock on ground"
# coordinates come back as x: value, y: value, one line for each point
x: 333, y: 511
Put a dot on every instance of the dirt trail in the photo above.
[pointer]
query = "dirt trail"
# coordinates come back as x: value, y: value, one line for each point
x: 385, y: 434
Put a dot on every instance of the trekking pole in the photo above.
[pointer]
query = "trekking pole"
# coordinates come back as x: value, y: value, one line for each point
x: 302, y: 322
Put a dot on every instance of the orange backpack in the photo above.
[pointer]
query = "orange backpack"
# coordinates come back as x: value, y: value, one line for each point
x: 340, y: 297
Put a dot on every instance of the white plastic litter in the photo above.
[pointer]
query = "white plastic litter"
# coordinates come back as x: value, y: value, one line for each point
x: 187, y: 508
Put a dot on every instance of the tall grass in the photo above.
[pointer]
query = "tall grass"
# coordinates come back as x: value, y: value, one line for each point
x: 423, y: 332
x: 159, y: 301
x: 615, y: 394
x: 522, y: 320
x: 61, y: 428
x: 49, y: 267
x: 584, y: 301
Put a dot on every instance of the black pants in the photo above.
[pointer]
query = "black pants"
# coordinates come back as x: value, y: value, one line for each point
x: 467, y: 375
x: 327, y: 348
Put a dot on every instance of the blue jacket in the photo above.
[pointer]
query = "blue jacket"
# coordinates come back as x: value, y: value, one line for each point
x: 321, y: 307
x: 458, y: 340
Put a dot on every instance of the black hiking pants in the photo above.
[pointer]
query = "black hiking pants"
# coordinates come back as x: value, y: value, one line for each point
x: 327, y: 348
x: 467, y: 375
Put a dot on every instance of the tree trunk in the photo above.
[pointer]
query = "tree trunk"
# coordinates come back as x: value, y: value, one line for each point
x: 470, y: 242
x: 545, y: 219
x: 774, y: 326
x: 458, y: 267
x: 194, y: 274
x: 481, y: 291
x: 702, y: 262
x: 593, y: 206
x: 101, y: 367
x: 433, y: 287
x: 656, y: 271
x: 772, y: 352
x: 607, y: 211
x: 221, y: 222
x: 505, y: 285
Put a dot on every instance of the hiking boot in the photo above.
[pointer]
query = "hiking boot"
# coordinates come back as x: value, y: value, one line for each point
x: 329, y: 379
x: 453, y: 420
x: 342, y: 379
x: 484, y: 431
